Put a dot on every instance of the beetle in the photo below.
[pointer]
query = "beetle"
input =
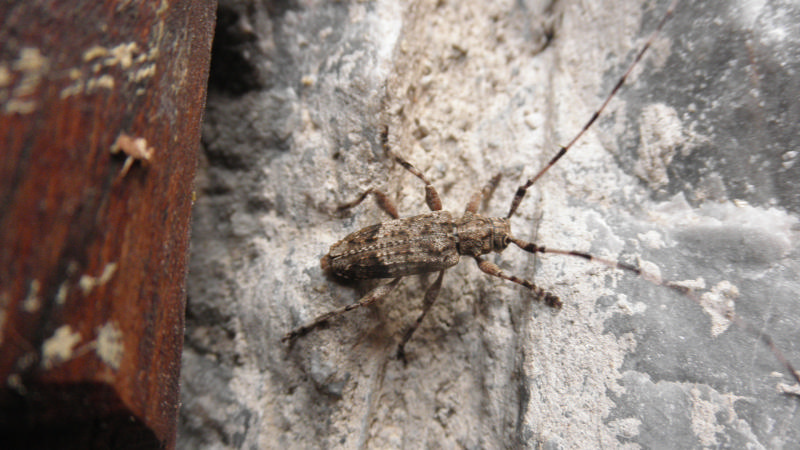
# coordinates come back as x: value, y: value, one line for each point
x: 436, y: 241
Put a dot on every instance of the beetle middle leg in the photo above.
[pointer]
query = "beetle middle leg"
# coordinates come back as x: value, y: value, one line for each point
x: 433, y: 290
x: 384, y: 202
x: 432, y: 198
x: 430, y: 297
x: 434, y: 202
x: 431, y: 195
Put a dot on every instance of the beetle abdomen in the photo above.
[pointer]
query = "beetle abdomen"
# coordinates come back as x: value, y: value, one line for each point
x: 396, y: 248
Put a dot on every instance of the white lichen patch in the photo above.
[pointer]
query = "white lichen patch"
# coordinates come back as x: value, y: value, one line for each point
x: 661, y: 134
x: 704, y: 419
x: 652, y: 239
x: 625, y: 306
x: 719, y: 305
x: 60, y: 346
x: 708, y: 407
x: 87, y: 282
x: 109, y: 345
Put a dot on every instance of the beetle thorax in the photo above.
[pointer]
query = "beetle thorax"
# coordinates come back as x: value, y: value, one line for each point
x: 479, y: 235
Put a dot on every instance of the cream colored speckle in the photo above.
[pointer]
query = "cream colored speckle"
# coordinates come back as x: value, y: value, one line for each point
x: 122, y: 55
x: 32, y: 301
x: 59, y: 347
x: 32, y: 65
x: 73, y: 89
x: 14, y: 381
x: 30, y: 60
x: 88, y: 282
x: 61, y: 295
x: 145, y: 72
x: 5, y: 76
x: 109, y: 346
x: 135, y: 148
x: 793, y: 389
x: 103, y: 81
x: 20, y: 106
x: 95, y: 52
x: 699, y: 283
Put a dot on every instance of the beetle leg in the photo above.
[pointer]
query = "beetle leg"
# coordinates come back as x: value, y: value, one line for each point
x: 431, y: 195
x: 542, y: 295
x: 384, y: 202
x: 484, y: 194
x: 373, y: 295
x: 430, y: 297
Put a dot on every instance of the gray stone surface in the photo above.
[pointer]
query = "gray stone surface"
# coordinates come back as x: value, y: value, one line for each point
x: 691, y: 173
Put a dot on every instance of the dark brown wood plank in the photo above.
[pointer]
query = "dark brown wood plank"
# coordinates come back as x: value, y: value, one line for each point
x: 93, y: 246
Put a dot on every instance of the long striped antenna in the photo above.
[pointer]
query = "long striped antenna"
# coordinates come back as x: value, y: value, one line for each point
x: 563, y: 150
x: 676, y: 287
x: 765, y: 339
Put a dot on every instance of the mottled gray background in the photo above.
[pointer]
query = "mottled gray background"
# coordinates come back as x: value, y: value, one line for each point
x: 692, y: 173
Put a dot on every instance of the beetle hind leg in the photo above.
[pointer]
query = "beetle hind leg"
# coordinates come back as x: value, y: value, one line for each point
x: 372, y: 296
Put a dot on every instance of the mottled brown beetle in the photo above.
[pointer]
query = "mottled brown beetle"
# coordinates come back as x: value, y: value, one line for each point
x: 421, y: 244
x: 435, y: 241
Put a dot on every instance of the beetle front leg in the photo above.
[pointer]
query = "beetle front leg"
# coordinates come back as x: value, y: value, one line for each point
x: 484, y: 194
x: 492, y: 269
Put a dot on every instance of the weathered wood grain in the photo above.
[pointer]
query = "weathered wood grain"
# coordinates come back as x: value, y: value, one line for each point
x: 100, y: 108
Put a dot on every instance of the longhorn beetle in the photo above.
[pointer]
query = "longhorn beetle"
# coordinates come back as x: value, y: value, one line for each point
x: 435, y: 241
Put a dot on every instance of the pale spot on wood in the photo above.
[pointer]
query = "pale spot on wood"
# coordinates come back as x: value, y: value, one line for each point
x: 59, y: 347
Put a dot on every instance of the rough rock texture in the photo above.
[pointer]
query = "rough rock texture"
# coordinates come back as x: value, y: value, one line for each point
x: 690, y: 173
